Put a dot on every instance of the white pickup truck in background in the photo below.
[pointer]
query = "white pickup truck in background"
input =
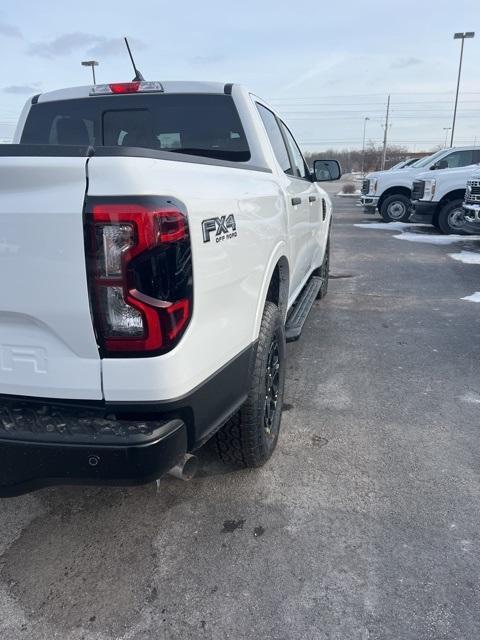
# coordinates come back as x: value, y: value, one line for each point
x: 158, y: 244
x: 438, y: 198
x: 471, y: 203
x: 390, y: 192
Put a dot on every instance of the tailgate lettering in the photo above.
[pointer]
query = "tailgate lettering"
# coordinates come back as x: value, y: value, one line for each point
x: 12, y: 355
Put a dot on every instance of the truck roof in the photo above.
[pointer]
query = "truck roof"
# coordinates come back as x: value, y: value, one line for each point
x: 72, y: 93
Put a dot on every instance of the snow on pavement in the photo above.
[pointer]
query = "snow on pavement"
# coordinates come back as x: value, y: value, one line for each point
x: 467, y: 257
x: 475, y: 297
x: 388, y: 226
x: 427, y: 238
x: 435, y: 239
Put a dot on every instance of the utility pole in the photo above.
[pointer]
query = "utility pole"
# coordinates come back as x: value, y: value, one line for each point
x: 459, y: 36
x: 366, y: 119
x: 385, y: 134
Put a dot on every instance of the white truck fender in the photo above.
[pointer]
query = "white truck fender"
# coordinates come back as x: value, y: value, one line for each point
x: 278, y: 254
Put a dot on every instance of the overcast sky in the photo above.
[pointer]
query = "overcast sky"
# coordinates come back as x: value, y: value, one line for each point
x: 325, y: 65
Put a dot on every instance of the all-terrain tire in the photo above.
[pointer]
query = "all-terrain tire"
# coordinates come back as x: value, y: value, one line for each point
x: 451, y: 218
x: 324, y: 272
x: 396, y: 208
x: 249, y: 438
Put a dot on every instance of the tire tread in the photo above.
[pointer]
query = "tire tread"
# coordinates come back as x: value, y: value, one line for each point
x: 239, y: 442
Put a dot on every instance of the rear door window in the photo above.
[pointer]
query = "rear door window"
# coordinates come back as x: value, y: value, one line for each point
x: 198, y: 124
x: 276, y: 139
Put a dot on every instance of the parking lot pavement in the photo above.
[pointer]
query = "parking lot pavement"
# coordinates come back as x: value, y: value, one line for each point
x: 364, y: 525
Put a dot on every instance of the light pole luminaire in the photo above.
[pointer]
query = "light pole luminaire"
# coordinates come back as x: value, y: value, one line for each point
x: 459, y: 36
x: 93, y: 64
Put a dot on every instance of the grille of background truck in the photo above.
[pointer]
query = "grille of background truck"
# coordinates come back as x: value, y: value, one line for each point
x: 418, y: 189
x: 474, y: 195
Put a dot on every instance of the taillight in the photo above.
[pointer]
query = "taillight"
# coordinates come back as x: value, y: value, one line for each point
x: 140, y: 273
x: 127, y: 87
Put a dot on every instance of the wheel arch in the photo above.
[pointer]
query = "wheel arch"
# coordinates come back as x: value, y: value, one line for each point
x: 456, y: 194
x: 275, y: 287
x: 391, y: 191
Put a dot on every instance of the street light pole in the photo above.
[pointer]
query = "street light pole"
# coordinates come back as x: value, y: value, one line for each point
x: 459, y: 36
x: 446, y: 129
x: 93, y: 64
x: 385, y: 134
x: 363, y: 145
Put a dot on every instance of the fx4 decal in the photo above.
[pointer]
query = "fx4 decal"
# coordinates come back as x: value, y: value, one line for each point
x: 224, y: 227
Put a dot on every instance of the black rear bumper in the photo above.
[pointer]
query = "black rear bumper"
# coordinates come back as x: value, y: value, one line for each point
x: 26, y: 465
x: 46, y: 441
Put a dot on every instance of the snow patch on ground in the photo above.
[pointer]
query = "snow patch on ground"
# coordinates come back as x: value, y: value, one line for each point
x: 427, y: 238
x: 388, y: 226
x: 467, y: 257
x: 470, y: 397
x: 434, y: 239
x: 475, y: 297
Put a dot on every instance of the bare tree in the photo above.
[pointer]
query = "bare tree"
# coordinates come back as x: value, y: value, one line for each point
x: 351, y: 159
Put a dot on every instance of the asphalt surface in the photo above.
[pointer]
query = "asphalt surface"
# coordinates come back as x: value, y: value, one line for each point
x: 365, y: 524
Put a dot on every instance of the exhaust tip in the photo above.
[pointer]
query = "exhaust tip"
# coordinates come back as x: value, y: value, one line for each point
x: 186, y: 468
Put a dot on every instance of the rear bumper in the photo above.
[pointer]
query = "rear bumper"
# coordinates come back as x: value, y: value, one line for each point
x: 46, y: 441
x: 26, y: 465
x: 423, y: 211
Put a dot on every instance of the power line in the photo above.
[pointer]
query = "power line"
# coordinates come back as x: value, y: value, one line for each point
x: 369, y: 95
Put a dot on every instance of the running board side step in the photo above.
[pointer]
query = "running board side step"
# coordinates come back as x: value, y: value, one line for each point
x: 300, y: 310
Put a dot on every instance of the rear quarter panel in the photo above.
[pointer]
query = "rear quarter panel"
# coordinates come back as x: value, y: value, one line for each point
x: 229, y: 274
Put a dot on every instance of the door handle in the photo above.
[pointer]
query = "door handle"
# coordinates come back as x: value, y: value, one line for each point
x: 296, y: 201
x: 312, y: 198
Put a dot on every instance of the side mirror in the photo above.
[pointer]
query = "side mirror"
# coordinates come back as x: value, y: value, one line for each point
x: 441, y: 164
x: 326, y: 170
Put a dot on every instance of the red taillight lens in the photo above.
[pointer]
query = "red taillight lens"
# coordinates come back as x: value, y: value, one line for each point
x: 140, y: 274
x: 124, y: 87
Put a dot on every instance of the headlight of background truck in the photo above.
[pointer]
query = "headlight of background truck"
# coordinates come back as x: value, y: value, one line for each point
x: 373, y: 185
x: 429, y: 189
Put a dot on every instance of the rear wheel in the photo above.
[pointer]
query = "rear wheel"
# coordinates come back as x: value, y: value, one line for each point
x: 451, y: 218
x: 324, y: 272
x: 396, y: 208
x: 250, y: 437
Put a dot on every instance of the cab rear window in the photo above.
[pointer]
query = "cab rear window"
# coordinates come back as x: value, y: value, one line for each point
x: 199, y: 124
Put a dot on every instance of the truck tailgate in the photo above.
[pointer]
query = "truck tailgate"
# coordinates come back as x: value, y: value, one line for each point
x: 47, y: 342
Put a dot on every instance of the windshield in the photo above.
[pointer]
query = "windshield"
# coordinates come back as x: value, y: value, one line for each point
x: 424, y: 161
x: 197, y: 124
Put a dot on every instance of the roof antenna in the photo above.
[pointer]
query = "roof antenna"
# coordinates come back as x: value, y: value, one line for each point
x: 138, y: 76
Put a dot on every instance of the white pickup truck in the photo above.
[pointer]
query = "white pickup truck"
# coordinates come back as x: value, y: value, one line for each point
x: 471, y: 203
x: 438, y: 198
x: 158, y: 244
x: 390, y: 191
